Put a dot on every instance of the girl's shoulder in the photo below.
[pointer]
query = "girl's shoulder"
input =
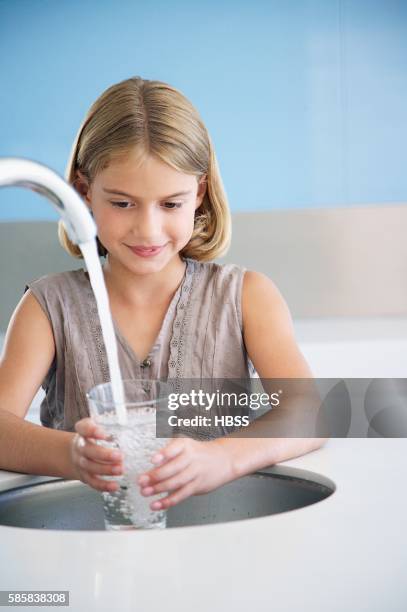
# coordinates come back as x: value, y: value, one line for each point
x: 58, y: 280
x: 219, y: 287
x: 225, y: 274
x: 58, y: 292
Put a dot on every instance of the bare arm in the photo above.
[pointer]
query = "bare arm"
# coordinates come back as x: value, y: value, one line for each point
x: 269, y: 338
x: 28, y: 354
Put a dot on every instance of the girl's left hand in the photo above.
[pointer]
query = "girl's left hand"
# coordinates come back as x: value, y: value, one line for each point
x: 187, y: 467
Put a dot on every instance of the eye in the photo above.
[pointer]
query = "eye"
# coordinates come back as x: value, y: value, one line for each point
x: 119, y: 204
x: 172, y: 205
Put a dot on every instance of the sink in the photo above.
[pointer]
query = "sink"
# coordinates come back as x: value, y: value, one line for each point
x: 72, y: 505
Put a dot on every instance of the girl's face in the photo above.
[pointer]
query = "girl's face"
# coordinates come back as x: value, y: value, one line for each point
x: 144, y: 205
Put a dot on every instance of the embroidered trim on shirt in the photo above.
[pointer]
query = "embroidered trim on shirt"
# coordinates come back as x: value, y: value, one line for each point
x: 181, y: 326
x: 96, y: 331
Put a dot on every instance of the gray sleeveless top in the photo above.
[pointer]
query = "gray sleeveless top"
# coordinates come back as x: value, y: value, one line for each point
x: 200, y: 338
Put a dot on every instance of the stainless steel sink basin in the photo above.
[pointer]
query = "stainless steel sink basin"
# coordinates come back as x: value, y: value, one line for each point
x: 70, y: 504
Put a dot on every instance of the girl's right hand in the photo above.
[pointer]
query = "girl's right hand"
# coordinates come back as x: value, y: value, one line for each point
x: 91, y: 460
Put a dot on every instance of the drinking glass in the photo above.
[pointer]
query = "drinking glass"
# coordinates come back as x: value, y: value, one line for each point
x: 126, y: 508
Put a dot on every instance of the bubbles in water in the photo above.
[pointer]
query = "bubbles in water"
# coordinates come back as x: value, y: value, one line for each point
x: 137, y: 441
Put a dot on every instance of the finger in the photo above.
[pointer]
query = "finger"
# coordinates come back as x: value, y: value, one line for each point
x: 165, y: 471
x: 89, y: 429
x: 174, y: 498
x: 174, y: 448
x: 171, y: 484
x: 102, y: 485
x: 95, y: 452
x: 93, y: 467
x: 84, y: 447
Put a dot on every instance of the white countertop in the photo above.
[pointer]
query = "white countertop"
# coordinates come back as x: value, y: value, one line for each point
x: 347, y: 552
x: 358, y: 347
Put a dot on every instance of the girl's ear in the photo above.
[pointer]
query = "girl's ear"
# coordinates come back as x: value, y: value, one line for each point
x: 81, y: 185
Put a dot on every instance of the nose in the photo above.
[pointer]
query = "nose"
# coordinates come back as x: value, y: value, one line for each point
x: 147, y: 225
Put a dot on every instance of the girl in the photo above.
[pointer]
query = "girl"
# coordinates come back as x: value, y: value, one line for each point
x: 145, y: 166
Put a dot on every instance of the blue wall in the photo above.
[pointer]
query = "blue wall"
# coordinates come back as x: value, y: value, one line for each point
x: 305, y: 99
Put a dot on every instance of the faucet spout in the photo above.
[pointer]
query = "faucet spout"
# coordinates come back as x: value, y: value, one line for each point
x: 20, y: 172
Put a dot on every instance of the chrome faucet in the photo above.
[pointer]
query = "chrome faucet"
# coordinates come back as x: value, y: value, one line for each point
x: 20, y: 172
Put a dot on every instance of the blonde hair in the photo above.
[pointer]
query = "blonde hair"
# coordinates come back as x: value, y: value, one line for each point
x: 155, y: 119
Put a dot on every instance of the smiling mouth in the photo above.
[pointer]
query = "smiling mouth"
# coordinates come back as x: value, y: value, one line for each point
x: 146, y: 251
x: 145, y: 248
